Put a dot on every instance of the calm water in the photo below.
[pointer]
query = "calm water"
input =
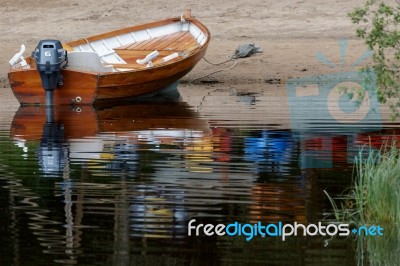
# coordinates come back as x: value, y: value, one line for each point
x: 118, y: 185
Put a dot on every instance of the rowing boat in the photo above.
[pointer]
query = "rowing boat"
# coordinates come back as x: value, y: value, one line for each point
x: 116, y: 65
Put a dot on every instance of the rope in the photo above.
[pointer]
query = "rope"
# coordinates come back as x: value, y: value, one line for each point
x: 230, y: 58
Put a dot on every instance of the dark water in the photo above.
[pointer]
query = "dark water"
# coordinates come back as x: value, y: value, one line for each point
x: 118, y: 185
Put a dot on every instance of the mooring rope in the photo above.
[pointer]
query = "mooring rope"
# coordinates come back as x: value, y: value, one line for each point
x: 230, y: 58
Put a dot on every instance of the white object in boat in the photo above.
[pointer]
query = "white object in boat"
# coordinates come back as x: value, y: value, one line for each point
x: 87, y: 61
x: 148, y: 58
x: 18, y: 58
x: 170, y: 57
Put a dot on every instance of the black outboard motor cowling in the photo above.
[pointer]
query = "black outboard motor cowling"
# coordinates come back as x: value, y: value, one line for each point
x: 50, y: 58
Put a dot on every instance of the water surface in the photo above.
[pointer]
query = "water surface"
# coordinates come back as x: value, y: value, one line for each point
x: 118, y: 185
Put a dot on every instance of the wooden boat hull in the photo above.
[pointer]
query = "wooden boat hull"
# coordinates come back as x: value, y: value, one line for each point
x: 89, y: 87
x: 27, y: 87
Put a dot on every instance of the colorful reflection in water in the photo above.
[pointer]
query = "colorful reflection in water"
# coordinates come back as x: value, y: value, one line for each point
x: 118, y: 185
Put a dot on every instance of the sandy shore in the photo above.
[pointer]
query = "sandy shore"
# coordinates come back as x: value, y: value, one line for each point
x: 289, y: 32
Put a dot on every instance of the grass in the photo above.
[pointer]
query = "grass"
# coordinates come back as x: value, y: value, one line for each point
x: 374, y: 199
x: 375, y: 195
x: 377, y: 187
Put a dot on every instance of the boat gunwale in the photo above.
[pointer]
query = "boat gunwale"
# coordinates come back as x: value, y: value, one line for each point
x: 145, y: 26
x: 136, y: 28
x: 127, y: 30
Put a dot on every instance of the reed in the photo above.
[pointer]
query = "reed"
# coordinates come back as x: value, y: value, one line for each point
x: 377, y: 186
x: 374, y: 199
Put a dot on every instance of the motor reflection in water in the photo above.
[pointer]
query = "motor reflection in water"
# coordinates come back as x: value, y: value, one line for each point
x: 53, y: 153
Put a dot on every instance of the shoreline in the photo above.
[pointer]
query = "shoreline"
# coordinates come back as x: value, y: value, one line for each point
x: 290, y: 34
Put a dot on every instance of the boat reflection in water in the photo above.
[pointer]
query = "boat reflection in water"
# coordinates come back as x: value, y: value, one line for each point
x: 69, y: 132
x: 109, y: 155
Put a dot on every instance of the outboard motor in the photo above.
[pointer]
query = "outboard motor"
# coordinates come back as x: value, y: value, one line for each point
x: 50, y: 58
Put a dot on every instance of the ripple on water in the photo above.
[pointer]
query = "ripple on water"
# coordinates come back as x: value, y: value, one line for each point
x: 120, y: 184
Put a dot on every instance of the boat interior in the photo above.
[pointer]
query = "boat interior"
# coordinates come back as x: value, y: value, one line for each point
x: 137, y: 49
